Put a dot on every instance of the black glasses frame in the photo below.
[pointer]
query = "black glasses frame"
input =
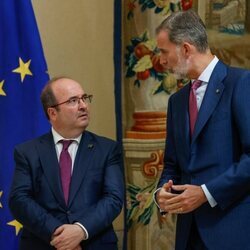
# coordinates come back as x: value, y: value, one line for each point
x: 75, y: 100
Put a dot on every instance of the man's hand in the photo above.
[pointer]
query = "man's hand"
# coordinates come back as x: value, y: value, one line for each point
x: 191, y: 198
x: 164, y: 194
x: 78, y: 248
x: 67, y: 237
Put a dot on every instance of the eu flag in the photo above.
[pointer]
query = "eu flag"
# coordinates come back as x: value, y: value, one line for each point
x: 23, y: 73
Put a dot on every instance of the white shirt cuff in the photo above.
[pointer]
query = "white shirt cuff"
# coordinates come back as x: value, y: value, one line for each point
x: 84, y: 230
x: 154, y: 198
x: 210, y: 198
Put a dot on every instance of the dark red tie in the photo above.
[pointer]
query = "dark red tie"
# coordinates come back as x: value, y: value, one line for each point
x: 193, y: 109
x: 65, y: 163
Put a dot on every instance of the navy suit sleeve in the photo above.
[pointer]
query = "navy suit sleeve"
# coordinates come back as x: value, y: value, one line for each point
x: 23, y: 205
x: 99, y: 216
x: 171, y: 169
x: 234, y: 184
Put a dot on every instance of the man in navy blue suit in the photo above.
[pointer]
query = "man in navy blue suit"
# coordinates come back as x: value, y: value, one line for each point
x: 77, y: 212
x: 206, y: 176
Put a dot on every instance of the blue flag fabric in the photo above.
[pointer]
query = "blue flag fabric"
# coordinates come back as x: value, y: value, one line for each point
x: 23, y: 73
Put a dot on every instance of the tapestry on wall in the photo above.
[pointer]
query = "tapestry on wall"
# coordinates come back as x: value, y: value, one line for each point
x: 146, y: 88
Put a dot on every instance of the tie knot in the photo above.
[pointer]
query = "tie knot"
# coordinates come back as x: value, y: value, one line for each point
x: 196, y: 84
x: 66, y: 144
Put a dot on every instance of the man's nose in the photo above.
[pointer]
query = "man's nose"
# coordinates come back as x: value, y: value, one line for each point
x: 162, y: 61
x: 82, y: 103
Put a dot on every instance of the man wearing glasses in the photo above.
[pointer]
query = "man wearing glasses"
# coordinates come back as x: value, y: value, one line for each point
x: 68, y: 184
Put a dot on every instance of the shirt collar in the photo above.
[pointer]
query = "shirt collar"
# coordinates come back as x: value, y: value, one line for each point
x: 57, y: 137
x: 206, y: 74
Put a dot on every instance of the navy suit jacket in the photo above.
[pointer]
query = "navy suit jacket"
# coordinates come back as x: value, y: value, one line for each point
x: 96, y: 191
x: 217, y: 156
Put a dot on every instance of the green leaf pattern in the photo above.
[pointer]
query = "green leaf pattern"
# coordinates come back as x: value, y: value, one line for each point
x: 140, y: 203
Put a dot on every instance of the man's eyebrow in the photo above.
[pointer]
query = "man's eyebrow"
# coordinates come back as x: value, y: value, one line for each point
x: 72, y: 97
x: 163, y: 50
x: 77, y: 96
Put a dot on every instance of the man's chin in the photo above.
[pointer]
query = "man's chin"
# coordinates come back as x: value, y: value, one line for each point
x: 83, y: 127
x: 178, y: 75
x: 83, y: 123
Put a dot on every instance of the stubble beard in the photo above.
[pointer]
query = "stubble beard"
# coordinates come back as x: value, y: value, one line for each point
x: 182, y: 66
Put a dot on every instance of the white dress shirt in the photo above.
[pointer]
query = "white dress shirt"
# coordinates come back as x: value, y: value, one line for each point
x: 204, y: 77
x: 72, y: 147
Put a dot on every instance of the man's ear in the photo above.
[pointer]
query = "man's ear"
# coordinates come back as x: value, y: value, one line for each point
x: 187, y: 49
x: 52, y: 112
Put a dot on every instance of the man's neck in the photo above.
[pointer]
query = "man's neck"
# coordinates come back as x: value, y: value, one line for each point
x: 69, y: 134
x: 200, y: 62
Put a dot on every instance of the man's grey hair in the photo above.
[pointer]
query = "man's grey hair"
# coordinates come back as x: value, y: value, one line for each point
x: 185, y: 26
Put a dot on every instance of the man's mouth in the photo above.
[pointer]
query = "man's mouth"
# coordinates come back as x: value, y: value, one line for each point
x: 84, y: 115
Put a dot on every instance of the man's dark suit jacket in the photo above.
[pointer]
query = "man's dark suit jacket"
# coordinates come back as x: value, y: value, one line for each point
x: 96, y: 191
x: 218, y: 155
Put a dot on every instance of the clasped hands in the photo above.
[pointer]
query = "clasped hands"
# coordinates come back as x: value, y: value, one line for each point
x: 185, y: 199
x: 67, y: 237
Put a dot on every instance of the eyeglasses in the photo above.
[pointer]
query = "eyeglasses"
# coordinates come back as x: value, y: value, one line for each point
x: 73, y: 101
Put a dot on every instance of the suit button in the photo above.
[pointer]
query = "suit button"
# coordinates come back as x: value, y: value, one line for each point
x: 68, y: 212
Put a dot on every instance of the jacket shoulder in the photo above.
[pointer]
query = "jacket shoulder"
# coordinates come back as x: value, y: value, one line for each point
x: 99, y: 138
x: 32, y: 142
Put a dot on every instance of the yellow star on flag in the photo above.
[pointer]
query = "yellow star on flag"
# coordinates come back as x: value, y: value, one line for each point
x: 23, y: 69
x: 1, y: 88
x: 1, y: 192
x: 15, y: 224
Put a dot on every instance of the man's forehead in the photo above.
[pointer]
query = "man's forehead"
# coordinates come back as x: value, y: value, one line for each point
x: 66, y: 83
x: 67, y: 88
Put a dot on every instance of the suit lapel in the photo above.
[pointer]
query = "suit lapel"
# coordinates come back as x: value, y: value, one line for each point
x: 182, y: 118
x: 212, y: 96
x: 83, y: 158
x: 50, y: 166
